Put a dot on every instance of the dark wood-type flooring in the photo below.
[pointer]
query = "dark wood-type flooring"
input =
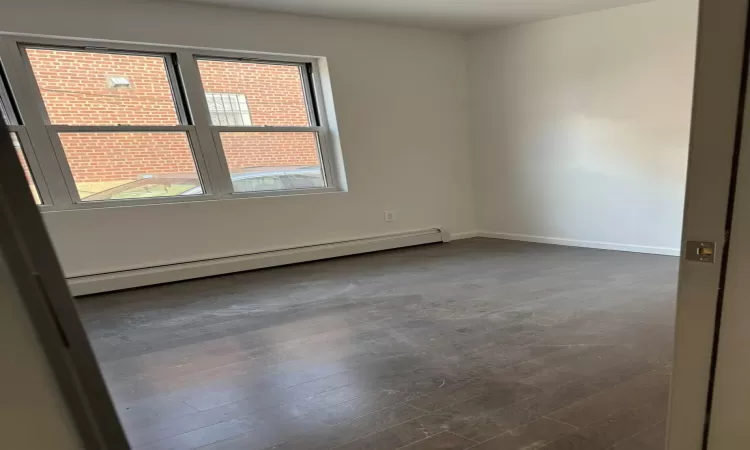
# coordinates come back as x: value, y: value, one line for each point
x: 482, y: 344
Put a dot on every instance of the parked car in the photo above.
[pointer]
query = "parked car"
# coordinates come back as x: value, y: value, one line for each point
x: 259, y: 179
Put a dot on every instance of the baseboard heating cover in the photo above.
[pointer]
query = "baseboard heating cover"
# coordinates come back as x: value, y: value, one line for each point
x: 114, y: 281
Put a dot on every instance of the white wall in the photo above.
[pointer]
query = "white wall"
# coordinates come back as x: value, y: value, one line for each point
x: 581, y: 126
x: 401, y: 101
x: 578, y: 127
x: 33, y: 415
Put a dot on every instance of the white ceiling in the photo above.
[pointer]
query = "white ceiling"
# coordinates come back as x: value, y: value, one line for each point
x: 459, y: 15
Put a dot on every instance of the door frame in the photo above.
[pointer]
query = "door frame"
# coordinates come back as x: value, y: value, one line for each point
x: 718, y: 106
x: 727, y: 424
x: 27, y: 250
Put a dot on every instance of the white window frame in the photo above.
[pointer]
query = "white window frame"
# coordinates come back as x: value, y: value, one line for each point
x: 42, y: 144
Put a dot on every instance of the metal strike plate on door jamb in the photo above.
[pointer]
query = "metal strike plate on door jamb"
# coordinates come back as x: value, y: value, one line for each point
x: 700, y: 251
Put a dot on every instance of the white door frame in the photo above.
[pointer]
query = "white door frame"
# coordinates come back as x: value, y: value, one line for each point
x: 730, y: 396
x: 717, y: 101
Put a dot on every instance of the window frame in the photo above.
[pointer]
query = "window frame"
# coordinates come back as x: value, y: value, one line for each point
x: 315, y: 119
x: 6, y: 104
x: 36, y: 174
x: 16, y: 127
x: 54, y: 130
x: 193, y: 116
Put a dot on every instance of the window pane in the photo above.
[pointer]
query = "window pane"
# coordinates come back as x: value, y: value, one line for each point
x: 94, y: 88
x: 273, y: 161
x: 26, y: 170
x: 113, y: 166
x: 273, y: 92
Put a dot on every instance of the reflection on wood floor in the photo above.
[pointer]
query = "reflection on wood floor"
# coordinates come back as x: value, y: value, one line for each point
x: 481, y: 343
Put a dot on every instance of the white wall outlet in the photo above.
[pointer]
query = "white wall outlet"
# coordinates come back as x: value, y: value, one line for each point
x: 389, y: 216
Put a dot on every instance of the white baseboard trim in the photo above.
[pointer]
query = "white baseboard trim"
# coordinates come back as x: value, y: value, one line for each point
x: 464, y: 235
x: 587, y: 244
x: 115, y: 281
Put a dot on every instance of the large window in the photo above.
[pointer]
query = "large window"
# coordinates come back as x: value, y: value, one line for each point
x: 108, y: 125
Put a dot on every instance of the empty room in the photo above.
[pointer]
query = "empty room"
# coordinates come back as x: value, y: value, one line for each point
x: 353, y: 225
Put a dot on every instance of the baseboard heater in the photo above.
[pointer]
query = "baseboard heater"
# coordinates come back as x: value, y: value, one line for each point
x: 114, y: 281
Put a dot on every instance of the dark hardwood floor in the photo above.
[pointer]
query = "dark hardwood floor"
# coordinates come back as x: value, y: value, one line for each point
x: 483, y: 344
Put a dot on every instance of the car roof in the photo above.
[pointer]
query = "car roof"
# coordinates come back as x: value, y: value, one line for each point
x: 285, y: 171
x: 253, y: 172
x: 250, y: 173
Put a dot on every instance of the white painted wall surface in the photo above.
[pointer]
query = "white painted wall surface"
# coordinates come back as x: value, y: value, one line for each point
x: 33, y: 415
x: 402, y: 106
x: 581, y: 126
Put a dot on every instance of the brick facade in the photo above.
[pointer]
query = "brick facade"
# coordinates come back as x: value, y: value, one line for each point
x: 120, y: 156
x: 77, y: 90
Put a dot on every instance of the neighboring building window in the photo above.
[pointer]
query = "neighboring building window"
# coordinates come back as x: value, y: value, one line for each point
x: 229, y: 110
x: 128, y: 122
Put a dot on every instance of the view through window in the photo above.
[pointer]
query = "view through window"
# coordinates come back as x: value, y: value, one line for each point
x: 267, y: 160
x: 96, y: 90
x: 122, y: 125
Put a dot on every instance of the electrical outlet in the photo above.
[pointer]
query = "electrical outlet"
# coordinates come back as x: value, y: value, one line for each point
x: 390, y: 216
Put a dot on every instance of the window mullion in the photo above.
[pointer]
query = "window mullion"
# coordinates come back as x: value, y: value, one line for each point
x: 267, y: 129
x: 119, y: 128
x: 216, y: 165
x: 30, y: 105
x: 57, y: 146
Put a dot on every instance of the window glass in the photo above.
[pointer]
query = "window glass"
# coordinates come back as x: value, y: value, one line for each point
x: 273, y: 93
x: 26, y: 170
x: 270, y: 161
x: 128, y: 165
x: 96, y: 88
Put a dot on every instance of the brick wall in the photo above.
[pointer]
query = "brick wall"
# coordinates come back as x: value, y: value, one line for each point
x: 274, y: 92
x: 76, y: 91
x: 119, y: 156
